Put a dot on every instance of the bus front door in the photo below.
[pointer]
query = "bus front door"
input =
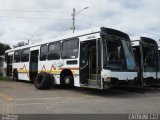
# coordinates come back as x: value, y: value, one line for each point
x: 89, y: 67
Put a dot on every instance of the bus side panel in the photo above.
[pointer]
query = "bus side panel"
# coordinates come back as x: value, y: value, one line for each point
x: 74, y: 69
x: 77, y: 80
x: 49, y: 67
x: 124, y: 75
x: 23, y: 70
x: 149, y: 74
x: 158, y: 76
x: 56, y: 79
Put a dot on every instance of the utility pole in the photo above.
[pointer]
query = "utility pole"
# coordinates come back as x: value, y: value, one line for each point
x: 29, y: 39
x: 73, y: 18
x: 28, y: 42
x: 74, y: 15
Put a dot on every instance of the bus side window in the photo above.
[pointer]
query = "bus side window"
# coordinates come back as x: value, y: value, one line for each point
x: 25, y: 55
x: 70, y: 48
x: 43, y: 52
x: 17, y: 56
x: 54, y: 51
x: 6, y: 57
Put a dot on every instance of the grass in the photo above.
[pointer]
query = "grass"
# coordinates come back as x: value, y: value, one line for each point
x: 5, y: 78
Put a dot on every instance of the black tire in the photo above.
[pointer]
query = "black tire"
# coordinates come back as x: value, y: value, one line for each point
x: 42, y: 81
x: 15, y: 75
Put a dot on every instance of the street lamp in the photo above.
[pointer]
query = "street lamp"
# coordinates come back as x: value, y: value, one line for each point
x: 74, y: 15
x: 29, y: 39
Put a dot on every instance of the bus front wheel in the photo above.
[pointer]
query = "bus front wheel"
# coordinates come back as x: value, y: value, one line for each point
x: 42, y: 81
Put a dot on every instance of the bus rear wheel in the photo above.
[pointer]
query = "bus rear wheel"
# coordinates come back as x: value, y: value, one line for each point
x: 15, y: 75
x: 42, y: 81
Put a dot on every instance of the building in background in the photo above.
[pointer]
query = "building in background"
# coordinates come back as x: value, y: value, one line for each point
x: 1, y: 65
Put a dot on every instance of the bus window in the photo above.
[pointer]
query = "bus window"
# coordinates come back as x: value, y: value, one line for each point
x: 17, y: 56
x: 70, y: 49
x: 6, y: 57
x: 149, y: 58
x: 54, y: 51
x: 25, y: 55
x: 130, y: 61
x: 43, y: 53
x: 118, y: 55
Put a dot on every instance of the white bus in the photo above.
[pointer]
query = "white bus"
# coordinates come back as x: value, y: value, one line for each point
x: 159, y: 63
x: 146, y: 57
x: 98, y: 58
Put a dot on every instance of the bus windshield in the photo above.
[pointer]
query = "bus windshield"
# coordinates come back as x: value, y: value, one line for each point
x: 149, y: 58
x: 118, y: 54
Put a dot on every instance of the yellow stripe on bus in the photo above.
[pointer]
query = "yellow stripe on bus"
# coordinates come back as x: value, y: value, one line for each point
x: 23, y: 71
x: 48, y: 71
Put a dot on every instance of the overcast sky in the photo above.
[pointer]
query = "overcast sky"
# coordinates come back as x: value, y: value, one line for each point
x: 43, y: 19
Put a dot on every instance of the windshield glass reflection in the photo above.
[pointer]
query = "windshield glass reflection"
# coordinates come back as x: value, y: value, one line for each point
x: 118, y: 54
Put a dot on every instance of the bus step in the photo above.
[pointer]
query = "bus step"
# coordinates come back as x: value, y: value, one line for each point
x: 95, y: 76
x: 92, y: 82
x: 93, y: 87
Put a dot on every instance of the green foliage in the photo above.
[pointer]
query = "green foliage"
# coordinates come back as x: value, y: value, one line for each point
x: 3, y: 48
x: 20, y: 44
x: 4, y: 78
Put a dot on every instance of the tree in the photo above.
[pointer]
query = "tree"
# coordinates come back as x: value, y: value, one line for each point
x: 3, y: 48
x: 20, y: 44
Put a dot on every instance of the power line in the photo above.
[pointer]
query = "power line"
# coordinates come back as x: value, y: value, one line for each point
x: 84, y: 22
x: 90, y: 17
x: 36, y: 11
x: 32, y: 18
x: 95, y: 18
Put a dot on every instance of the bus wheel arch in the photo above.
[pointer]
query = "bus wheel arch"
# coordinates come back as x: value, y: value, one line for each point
x: 66, y: 77
x: 15, y: 75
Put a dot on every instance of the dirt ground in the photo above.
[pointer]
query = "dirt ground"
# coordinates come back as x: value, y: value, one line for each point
x: 24, y: 98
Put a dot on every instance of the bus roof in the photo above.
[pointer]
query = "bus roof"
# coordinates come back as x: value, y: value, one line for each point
x: 76, y: 34
x: 148, y: 40
x: 104, y: 30
x: 144, y: 40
